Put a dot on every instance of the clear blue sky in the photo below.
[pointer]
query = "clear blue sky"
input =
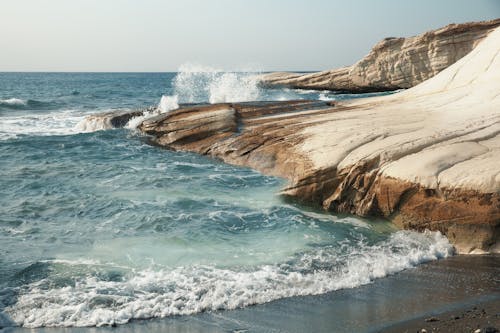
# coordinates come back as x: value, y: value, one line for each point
x: 160, y: 35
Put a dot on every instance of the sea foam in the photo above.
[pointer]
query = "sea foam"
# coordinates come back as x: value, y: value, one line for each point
x: 53, y: 123
x: 92, y: 124
x: 26, y: 104
x: 197, y: 84
x: 13, y: 102
x: 184, y: 290
x: 167, y: 104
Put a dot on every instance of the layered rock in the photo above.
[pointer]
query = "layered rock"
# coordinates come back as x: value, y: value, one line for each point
x: 111, y: 119
x: 395, y: 63
x: 424, y: 158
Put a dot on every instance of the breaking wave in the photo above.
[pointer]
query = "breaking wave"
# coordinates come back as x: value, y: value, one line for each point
x: 167, y: 104
x: 120, y: 294
x: 64, y: 122
x: 199, y: 84
x: 22, y: 104
x: 13, y: 102
x: 192, y: 84
x: 54, y: 123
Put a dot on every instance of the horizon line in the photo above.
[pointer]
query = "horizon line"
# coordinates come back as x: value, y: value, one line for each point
x: 151, y: 72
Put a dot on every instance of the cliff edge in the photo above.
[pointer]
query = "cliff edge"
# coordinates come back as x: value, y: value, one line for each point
x: 394, y: 63
x: 424, y: 158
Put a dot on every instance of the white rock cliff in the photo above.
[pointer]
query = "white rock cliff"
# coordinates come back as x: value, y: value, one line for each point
x: 395, y: 63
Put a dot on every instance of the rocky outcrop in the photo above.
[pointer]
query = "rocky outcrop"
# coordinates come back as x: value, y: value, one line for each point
x: 425, y: 158
x: 108, y: 120
x: 394, y: 63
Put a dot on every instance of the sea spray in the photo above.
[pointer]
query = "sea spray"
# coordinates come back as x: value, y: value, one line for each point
x: 197, y: 84
x: 167, y: 104
x: 93, y: 123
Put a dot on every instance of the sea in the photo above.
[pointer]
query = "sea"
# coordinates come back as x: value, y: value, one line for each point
x: 99, y: 228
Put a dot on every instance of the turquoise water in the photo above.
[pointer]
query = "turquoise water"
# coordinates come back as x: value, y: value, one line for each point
x: 100, y: 228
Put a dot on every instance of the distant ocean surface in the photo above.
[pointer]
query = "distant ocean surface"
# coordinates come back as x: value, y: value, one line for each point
x: 99, y: 228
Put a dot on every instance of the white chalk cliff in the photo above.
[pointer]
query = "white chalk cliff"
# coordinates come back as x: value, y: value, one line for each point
x: 442, y: 136
x: 395, y: 63
x: 425, y: 158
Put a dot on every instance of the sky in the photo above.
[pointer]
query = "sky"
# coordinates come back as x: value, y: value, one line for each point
x: 161, y: 35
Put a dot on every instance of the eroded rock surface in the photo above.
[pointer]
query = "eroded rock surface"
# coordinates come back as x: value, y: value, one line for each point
x: 425, y: 158
x: 395, y: 63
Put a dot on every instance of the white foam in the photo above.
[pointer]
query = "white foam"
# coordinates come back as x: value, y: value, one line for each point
x: 167, y: 104
x: 54, y: 123
x: 186, y: 290
x: 92, y: 124
x: 325, y: 97
x: 231, y: 87
x: 13, y: 101
x: 196, y: 84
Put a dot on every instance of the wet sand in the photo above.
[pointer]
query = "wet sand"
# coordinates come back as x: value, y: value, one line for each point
x: 483, y: 316
x: 398, y: 303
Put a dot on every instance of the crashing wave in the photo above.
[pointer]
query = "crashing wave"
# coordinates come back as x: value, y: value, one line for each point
x: 197, y: 84
x: 54, y: 123
x: 142, y: 294
x: 167, y: 104
x: 93, y: 123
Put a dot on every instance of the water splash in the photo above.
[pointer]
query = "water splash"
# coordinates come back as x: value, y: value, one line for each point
x: 167, y: 104
x: 92, y: 124
x: 197, y: 84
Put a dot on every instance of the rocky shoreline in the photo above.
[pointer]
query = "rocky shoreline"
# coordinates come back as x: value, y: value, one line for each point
x: 424, y: 158
x: 394, y: 63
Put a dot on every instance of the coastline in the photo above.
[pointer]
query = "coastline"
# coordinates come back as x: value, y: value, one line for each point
x: 393, y: 63
x: 406, y: 157
x: 423, y: 158
x: 480, y: 315
x: 439, y: 288
x: 238, y: 192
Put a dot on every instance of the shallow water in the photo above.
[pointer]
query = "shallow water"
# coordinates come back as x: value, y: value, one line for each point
x: 100, y: 228
x: 425, y: 291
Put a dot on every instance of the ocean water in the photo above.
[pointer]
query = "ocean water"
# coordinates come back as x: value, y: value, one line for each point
x: 99, y: 228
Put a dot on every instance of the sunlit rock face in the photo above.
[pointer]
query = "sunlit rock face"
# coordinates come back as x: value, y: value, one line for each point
x: 395, y: 63
x: 425, y: 158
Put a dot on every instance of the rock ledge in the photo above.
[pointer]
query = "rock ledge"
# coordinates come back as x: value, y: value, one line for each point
x: 394, y: 63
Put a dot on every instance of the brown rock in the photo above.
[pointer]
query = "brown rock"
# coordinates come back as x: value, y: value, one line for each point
x: 426, y: 158
x: 394, y: 63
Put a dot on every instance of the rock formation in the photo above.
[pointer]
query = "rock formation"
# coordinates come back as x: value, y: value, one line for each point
x: 424, y: 158
x: 394, y: 63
